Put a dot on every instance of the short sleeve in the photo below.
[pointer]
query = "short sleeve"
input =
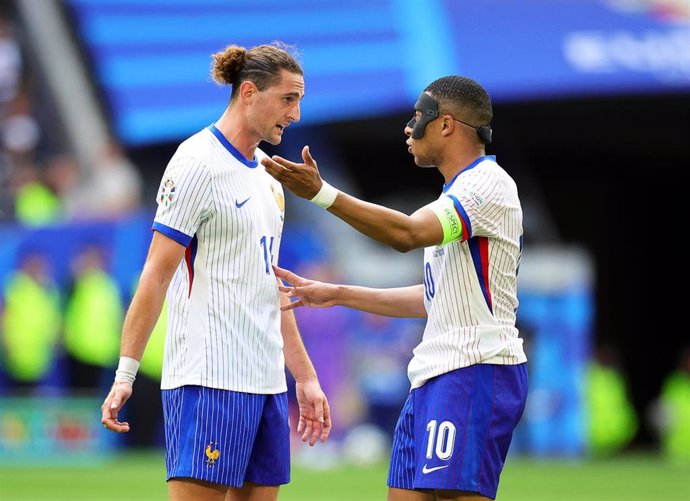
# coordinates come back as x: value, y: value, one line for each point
x: 480, y: 203
x: 185, y: 199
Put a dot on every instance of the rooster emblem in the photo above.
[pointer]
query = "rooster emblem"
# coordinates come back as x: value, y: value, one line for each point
x: 280, y: 200
x: 211, y: 454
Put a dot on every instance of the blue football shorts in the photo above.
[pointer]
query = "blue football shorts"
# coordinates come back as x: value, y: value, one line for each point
x: 226, y: 437
x: 454, y: 431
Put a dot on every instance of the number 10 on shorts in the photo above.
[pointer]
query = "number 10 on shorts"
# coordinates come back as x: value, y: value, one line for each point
x: 441, y: 439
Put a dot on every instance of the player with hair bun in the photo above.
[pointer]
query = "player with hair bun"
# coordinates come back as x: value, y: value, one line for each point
x: 217, y: 233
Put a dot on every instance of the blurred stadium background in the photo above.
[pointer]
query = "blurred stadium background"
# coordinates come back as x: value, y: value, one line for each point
x: 592, y: 119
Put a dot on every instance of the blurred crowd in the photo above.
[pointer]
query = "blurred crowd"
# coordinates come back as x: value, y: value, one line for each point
x: 41, y: 181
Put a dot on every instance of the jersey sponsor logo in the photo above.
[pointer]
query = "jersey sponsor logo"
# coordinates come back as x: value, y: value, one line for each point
x: 240, y: 204
x: 427, y: 470
x: 166, y: 194
x: 212, y: 454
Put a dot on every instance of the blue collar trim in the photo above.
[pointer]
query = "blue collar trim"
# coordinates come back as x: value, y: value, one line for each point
x: 233, y: 151
x: 446, y: 187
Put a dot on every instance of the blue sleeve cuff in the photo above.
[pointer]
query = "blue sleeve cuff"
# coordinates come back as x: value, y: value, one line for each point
x: 176, y: 235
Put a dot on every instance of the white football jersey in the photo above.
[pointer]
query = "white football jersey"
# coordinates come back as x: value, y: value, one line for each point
x: 223, y: 301
x: 470, y: 285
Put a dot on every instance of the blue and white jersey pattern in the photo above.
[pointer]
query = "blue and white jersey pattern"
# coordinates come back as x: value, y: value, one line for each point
x: 224, y: 316
x: 470, y: 285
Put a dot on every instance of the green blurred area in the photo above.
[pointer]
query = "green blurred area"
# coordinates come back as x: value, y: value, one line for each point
x: 140, y: 477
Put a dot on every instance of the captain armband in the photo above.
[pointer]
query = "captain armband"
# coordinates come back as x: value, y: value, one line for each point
x: 444, y: 209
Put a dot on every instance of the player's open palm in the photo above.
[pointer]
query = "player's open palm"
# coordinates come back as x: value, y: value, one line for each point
x: 302, y: 179
x: 119, y: 394
x: 308, y: 292
x: 314, y: 413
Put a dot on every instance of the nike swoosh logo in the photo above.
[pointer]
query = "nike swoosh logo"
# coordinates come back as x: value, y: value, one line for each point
x: 240, y: 204
x: 426, y: 470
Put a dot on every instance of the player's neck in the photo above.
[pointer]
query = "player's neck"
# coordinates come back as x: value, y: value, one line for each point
x: 452, y: 165
x: 234, y: 128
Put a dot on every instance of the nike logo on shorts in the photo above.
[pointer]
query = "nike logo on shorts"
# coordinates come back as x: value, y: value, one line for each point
x: 426, y: 470
x: 240, y: 204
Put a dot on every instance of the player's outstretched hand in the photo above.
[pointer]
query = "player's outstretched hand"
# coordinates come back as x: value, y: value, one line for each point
x: 314, y: 413
x: 119, y: 394
x: 302, y: 179
x: 308, y: 292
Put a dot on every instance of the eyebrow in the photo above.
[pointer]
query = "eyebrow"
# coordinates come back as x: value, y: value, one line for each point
x: 294, y: 94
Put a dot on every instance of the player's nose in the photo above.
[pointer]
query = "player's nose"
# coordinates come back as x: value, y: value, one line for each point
x: 295, y: 114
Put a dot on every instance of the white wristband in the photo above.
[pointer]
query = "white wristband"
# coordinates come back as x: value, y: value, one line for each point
x: 127, y: 370
x: 326, y: 195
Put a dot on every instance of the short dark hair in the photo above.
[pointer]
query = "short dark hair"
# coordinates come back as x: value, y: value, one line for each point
x: 261, y: 65
x: 462, y: 97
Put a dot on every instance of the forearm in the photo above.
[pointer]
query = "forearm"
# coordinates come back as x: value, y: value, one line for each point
x: 403, y: 302
x: 296, y: 357
x: 385, y: 225
x: 143, y: 314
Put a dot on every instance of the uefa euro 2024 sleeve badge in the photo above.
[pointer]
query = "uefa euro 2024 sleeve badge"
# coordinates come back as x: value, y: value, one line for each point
x: 166, y: 193
x: 212, y: 454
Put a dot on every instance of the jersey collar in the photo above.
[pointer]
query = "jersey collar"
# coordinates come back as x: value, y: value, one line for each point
x: 446, y: 187
x: 233, y: 151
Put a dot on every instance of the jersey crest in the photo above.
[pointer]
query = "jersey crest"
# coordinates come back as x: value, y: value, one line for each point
x: 280, y: 200
x: 212, y: 454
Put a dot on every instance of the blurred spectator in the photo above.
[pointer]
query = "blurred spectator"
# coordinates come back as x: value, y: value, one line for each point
x: 612, y: 419
x: 35, y: 203
x: 31, y: 322
x: 19, y: 136
x: 10, y: 78
x: 110, y: 189
x: 62, y: 176
x: 19, y: 129
x: 93, y: 320
x: 672, y: 415
x: 10, y: 65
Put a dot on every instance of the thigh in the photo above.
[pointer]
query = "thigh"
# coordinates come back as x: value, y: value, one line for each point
x: 188, y: 489
x: 253, y: 492
x: 395, y: 494
x: 210, y: 433
x: 459, y: 496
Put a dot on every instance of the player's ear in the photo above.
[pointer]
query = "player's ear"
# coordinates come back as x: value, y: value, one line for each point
x: 247, y: 91
x: 447, y: 125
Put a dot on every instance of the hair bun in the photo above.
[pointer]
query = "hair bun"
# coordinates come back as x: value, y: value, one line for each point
x: 228, y: 63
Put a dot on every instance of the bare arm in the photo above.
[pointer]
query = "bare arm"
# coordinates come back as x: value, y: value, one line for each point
x: 314, y: 412
x: 163, y: 259
x: 405, y: 302
x: 393, y: 228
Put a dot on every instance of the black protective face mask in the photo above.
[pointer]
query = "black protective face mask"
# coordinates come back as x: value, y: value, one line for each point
x: 428, y: 107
